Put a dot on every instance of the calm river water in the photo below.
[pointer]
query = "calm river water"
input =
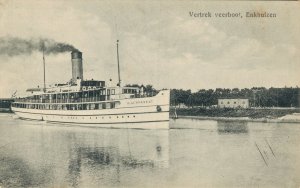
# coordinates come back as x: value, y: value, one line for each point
x: 194, y: 153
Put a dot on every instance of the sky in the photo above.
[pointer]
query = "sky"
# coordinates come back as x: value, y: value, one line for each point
x: 160, y: 43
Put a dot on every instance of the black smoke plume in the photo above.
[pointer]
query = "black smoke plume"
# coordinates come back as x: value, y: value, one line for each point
x: 13, y: 46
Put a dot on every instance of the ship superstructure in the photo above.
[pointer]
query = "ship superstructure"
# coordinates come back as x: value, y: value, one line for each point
x: 93, y: 103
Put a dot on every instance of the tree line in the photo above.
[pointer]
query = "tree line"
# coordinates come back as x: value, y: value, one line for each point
x: 258, y: 96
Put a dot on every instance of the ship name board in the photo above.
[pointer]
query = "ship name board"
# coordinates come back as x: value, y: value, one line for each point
x: 140, y: 102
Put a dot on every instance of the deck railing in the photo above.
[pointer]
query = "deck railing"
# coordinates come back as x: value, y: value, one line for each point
x: 78, y: 100
x: 75, y: 100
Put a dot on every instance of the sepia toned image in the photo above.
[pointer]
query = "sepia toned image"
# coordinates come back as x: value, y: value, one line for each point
x: 102, y: 93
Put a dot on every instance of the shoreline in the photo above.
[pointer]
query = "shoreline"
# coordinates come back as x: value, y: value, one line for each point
x: 266, y: 115
x: 241, y: 119
x: 5, y: 110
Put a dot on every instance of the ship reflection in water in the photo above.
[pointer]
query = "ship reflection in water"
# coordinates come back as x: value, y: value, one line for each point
x: 81, y: 157
x: 104, y: 162
x: 232, y: 127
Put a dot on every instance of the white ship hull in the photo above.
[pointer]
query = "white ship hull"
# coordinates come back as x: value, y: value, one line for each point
x: 143, y: 113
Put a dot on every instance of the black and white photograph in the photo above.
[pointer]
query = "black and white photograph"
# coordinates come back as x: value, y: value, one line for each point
x: 112, y: 93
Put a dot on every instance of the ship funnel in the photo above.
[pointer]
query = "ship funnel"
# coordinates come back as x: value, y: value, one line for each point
x: 77, y: 70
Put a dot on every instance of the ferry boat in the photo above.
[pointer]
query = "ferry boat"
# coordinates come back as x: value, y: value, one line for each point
x: 93, y: 103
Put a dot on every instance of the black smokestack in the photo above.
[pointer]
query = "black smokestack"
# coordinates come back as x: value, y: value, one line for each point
x: 13, y: 46
x: 77, y: 69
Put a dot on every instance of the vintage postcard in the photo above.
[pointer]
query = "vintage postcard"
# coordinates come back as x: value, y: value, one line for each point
x: 111, y: 93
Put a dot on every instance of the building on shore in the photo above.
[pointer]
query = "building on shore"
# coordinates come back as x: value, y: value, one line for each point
x: 233, y: 103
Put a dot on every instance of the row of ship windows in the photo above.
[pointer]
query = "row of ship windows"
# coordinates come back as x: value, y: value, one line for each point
x: 97, y: 117
x: 92, y: 106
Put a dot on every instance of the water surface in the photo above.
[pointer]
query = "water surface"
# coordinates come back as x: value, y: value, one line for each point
x: 194, y: 153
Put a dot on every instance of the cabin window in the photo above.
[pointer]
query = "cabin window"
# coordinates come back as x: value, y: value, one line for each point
x: 92, y: 106
x: 112, y: 91
x: 108, y: 105
x: 112, y: 105
x: 96, y: 106
x: 84, y: 107
x: 108, y: 92
x: 103, y: 106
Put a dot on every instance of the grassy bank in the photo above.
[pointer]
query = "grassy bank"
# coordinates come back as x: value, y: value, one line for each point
x: 5, y: 110
x: 229, y: 112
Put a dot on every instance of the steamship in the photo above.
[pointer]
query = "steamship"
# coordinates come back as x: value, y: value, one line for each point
x: 93, y: 103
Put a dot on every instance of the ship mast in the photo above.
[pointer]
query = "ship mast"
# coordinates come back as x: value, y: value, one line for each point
x: 44, y: 65
x: 119, y: 76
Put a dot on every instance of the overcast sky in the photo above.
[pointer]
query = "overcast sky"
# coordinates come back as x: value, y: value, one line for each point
x: 160, y: 43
